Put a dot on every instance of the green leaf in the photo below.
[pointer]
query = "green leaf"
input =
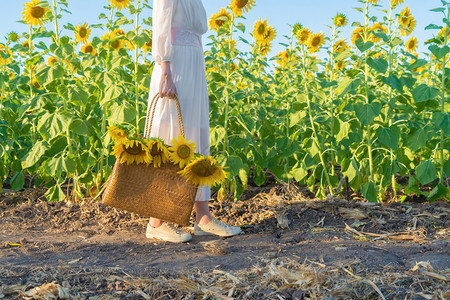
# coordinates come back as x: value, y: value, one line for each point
x: 442, y: 121
x: 366, y: 113
x: 299, y: 173
x: 241, y: 27
x: 347, y: 84
x: 363, y: 46
x: 417, y: 140
x: 352, y: 170
x: 77, y: 96
x: 79, y: 127
x: 55, y: 193
x: 35, y: 153
x: 424, y: 93
x: 439, y: 192
x: 394, y: 82
x: 259, y: 177
x: 417, y: 64
x: 439, y: 52
x: 369, y: 191
x: 446, y: 169
x: 17, y: 181
x: 343, y: 130
x: 52, y: 125
x: 426, y: 172
x: 378, y: 64
x: 389, y: 136
x: 234, y: 164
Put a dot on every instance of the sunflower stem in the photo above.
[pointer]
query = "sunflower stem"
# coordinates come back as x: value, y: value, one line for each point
x: 226, y: 144
x: 136, y: 84
x: 55, y: 16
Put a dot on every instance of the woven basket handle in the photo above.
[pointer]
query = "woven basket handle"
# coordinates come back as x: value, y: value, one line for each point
x: 152, y: 108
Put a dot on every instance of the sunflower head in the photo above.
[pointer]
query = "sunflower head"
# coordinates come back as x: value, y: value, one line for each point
x: 119, y: 4
x: 260, y: 30
x: 315, y: 42
x: 358, y: 33
x: 394, y: 3
x: 340, y: 46
x: 36, y: 84
x: 441, y: 34
x: 82, y: 33
x: 88, y: 48
x: 376, y: 27
x: 203, y: 171
x: 303, y: 36
x: 52, y: 61
x: 283, y: 58
x: 340, y: 20
x: 219, y: 19
x: 118, y: 132
x: 373, y: 1
x: 296, y: 28
x: 13, y: 36
x: 35, y: 12
x: 340, y: 65
x: 158, y: 152
x: 182, y: 151
x: 131, y: 151
x: 239, y: 7
x: 411, y: 45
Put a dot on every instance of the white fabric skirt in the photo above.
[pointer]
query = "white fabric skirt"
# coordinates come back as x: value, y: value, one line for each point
x: 188, y: 72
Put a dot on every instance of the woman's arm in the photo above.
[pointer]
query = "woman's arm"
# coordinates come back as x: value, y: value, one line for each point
x: 162, y: 44
x: 167, y: 87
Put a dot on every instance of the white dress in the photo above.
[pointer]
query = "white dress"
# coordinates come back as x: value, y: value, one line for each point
x: 177, y: 29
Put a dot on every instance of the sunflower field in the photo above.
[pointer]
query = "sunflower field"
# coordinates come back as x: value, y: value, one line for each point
x: 364, y: 110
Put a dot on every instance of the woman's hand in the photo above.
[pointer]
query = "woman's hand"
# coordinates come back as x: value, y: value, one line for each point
x: 167, y: 87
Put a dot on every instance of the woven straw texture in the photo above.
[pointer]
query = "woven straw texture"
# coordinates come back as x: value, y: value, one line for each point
x: 152, y: 192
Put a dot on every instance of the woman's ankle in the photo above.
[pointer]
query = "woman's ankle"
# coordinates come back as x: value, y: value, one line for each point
x: 155, y: 223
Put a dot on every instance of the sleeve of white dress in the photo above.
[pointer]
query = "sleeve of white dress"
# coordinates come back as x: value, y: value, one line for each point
x: 162, y: 30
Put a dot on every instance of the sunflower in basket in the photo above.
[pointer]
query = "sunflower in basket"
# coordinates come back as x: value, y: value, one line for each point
x: 131, y: 151
x: 203, y: 171
x: 182, y: 151
x: 117, y: 132
x: 158, y: 151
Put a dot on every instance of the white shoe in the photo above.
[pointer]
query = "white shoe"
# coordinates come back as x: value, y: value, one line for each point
x: 167, y: 232
x: 216, y: 228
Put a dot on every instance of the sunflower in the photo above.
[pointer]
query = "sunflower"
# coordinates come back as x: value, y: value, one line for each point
x: 340, y: 20
x: 282, y: 58
x: 260, y: 30
x: 218, y: 20
x: 340, y: 46
x: 373, y: 1
x: 182, y: 151
x: 407, y: 21
x: 4, y: 50
x: 147, y: 46
x: 270, y: 35
x: 35, y: 13
x: 441, y: 34
x: 376, y: 27
x: 340, y: 65
x: 203, y: 171
x: 358, y: 33
x: 51, y: 61
x: 36, y: 84
x: 303, y: 36
x: 131, y: 151
x: 158, y: 151
x: 118, y: 133
x: 88, y: 48
x: 394, y: 3
x: 315, y: 41
x: 296, y: 28
x: 411, y: 45
x: 238, y: 7
x: 119, y: 4
x: 264, y: 48
x: 114, y: 42
x: 13, y: 36
x: 82, y: 33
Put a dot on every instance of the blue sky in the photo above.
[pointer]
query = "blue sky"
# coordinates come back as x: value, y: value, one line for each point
x: 315, y: 15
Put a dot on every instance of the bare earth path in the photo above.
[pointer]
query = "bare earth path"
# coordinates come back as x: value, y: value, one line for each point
x: 291, y: 248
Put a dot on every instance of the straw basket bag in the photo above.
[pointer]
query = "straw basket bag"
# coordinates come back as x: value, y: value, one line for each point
x: 152, y: 192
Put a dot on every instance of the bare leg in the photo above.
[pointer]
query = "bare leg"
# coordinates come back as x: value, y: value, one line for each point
x: 202, y: 213
x: 155, y: 222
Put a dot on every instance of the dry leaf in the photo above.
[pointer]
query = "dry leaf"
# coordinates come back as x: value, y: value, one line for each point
x: 47, y: 291
x: 353, y: 213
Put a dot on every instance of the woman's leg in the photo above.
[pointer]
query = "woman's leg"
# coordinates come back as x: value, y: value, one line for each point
x: 155, y: 222
x: 202, y: 213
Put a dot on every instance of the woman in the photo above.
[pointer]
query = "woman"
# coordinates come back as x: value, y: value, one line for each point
x: 180, y: 70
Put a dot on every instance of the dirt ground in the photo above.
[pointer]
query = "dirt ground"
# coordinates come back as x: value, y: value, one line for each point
x: 292, y: 247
